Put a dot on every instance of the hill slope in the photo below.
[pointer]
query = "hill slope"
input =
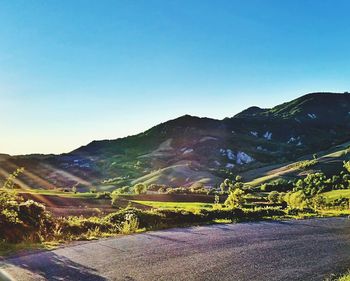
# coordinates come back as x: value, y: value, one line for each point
x: 190, y: 149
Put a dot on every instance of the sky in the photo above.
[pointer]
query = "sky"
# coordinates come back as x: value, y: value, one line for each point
x: 76, y: 71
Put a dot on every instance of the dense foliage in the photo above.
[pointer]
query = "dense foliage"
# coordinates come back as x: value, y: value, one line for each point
x: 306, y: 193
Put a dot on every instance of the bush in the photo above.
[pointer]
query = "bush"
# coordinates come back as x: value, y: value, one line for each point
x: 228, y: 213
x: 115, y: 198
x: 140, y: 188
x: 76, y: 226
x: 235, y: 199
x: 147, y: 219
x: 130, y: 225
x: 259, y: 213
x: 103, y: 195
x: 296, y: 200
x: 22, y: 220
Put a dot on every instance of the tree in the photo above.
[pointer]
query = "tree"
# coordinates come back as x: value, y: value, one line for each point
x: 296, y: 200
x: 139, y: 188
x: 235, y: 199
x: 114, y: 197
x: 226, y: 185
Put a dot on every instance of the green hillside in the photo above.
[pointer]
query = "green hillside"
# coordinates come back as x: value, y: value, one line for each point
x: 255, y: 143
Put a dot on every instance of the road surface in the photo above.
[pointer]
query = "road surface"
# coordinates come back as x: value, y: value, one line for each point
x: 288, y: 250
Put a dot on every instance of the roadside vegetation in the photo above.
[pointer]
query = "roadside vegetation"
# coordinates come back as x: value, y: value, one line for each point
x: 25, y: 223
x: 345, y: 277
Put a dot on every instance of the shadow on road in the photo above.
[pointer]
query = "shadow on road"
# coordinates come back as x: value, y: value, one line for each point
x: 55, y: 267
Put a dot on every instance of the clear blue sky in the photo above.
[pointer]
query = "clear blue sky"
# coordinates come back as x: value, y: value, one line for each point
x: 75, y: 71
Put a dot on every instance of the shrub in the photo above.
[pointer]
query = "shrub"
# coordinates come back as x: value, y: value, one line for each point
x: 147, y: 219
x: 258, y: 213
x: 140, y: 188
x: 123, y: 190
x: 115, y: 198
x: 103, y: 195
x: 22, y: 220
x: 228, y: 213
x: 296, y: 200
x: 235, y: 199
x: 130, y: 225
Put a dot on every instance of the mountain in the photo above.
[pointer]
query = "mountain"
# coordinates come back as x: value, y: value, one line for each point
x: 191, y: 150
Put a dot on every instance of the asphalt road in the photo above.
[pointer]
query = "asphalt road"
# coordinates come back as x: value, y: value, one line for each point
x: 289, y: 250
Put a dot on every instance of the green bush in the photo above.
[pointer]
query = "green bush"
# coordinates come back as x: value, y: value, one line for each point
x: 235, y: 198
x: 21, y: 220
x: 259, y: 213
x: 147, y: 219
x: 103, y: 195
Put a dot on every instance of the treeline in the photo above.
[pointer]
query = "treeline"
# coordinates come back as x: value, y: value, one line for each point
x: 306, y: 193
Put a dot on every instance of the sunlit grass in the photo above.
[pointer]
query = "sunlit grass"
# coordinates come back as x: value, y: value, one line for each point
x: 176, y: 205
x: 11, y: 248
x: 334, y: 212
x: 335, y: 194
x: 58, y: 193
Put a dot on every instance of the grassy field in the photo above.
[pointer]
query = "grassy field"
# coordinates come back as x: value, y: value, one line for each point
x: 336, y: 194
x: 176, y: 205
x: 58, y: 193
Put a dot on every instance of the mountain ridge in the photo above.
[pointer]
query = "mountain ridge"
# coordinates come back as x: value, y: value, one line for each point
x: 182, y: 150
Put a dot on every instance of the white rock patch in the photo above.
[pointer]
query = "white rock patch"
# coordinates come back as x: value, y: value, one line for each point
x: 230, y: 154
x: 255, y: 134
x: 312, y: 115
x: 188, y: 150
x: 240, y: 158
x: 243, y: 158
x: 292, y: 139
x: 268, y: 135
